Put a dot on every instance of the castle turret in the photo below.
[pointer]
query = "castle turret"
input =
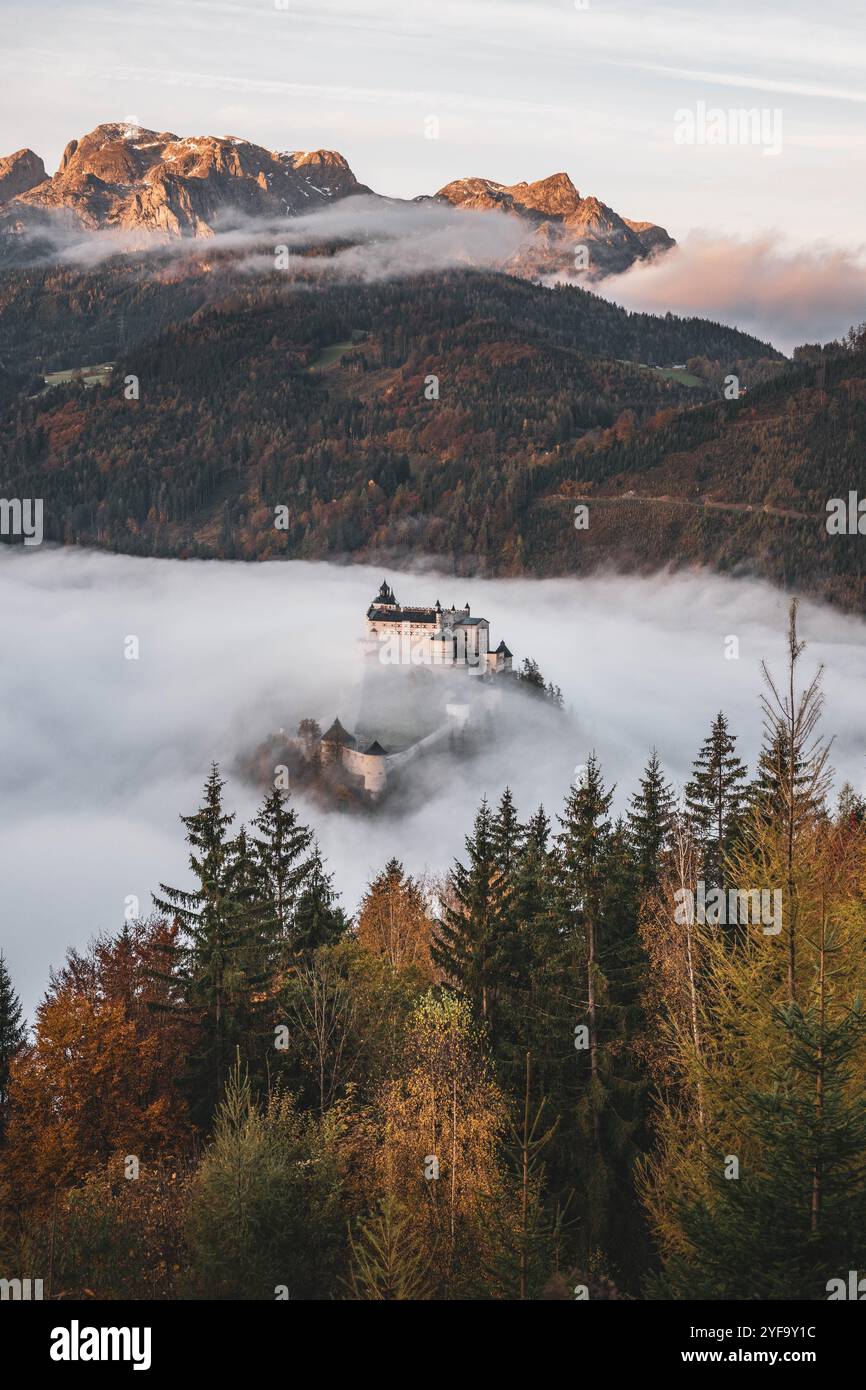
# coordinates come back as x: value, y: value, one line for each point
x: 334, y: 741
x: 385, y: 597
x: 500, y: 660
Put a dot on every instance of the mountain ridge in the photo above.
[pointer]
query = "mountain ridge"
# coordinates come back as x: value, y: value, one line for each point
x: 125, y: 177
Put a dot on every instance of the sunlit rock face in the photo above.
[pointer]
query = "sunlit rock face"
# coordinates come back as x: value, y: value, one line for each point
x: 122, y: 177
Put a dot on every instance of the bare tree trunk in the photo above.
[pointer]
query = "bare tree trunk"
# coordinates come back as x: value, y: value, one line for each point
x: 685, y: 868
x: 817, y: 1167
x: 51, y: 1244
x: 792, y: 753
x: 524, y: 1196
x: 593, y: 1039
x: 453, y: 1158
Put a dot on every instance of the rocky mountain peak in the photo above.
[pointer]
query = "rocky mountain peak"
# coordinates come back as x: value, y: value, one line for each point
x: 123, y: 175
x: 559, y: 221
x: 555, y: 196
x: 19, y: 172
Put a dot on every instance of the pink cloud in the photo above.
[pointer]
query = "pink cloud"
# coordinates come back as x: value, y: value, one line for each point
x: 782, y: 295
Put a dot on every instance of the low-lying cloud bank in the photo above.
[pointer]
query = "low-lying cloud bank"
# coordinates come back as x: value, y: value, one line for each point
x: 100, y: 754
x: 783, y: 296
x: 391, y: 239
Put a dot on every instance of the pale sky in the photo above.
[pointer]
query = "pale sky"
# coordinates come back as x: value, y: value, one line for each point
x: 520, y: 90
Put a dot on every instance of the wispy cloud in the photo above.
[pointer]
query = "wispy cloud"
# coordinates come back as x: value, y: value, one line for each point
x: 752, y: 82
x: 761, y: 285
x: 390, y: 239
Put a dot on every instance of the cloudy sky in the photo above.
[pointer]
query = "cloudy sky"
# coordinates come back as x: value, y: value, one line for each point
x: 520, y: 89
x: 100, y: 754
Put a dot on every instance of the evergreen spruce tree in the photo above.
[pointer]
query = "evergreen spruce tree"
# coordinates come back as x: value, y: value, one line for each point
x: 768, y: 792
x: 466, y: 941
x: 582, y: 845
x: 594, y: 869
x: 506, y: 834
x: 281, y: 852
x: 531, y: 1009
x: 535, y: 900
x: 715, y: 797
x: 852, y: 808
x: 264, y: 1209
x: 13, y: 1034
x: 318, y: 918
x: 526, y: 1235
x: 217, y: 960
x: 650, y: 818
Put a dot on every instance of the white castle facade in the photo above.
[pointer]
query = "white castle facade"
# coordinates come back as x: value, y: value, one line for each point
x: 437, y: 636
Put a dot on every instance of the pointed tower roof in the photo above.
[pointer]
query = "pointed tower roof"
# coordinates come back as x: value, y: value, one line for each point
x: 337, y: 734
x: 385, y: 597
x: 377, y: 749
x: 502, y: 650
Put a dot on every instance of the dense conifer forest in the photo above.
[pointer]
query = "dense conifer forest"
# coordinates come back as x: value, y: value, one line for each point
x: 462, y: 416
x: 602, y: 1056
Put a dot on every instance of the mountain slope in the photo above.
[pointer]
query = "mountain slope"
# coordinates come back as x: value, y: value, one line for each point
x: 742, y: 486
x: 321, y: 403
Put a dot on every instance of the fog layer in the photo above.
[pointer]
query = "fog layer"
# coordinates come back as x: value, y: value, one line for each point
x: 101, y: 753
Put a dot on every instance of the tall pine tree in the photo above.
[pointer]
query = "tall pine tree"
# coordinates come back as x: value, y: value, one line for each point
x: 13, y: 1034
x: 318, y: 919
x: 650, y: 818
x: 280, y: 846
x: 466, y: 941
x: 715, y: 797
x: 217, y: 958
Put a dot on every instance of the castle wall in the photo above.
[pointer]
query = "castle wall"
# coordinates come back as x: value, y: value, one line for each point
x: 370, y: 766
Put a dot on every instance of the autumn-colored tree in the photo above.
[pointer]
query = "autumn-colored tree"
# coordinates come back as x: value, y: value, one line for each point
x: 431, y: 1137
x: 393, y: 920
x: 100, y: 1076
x: 744, y: 1074
x: 117, y: 1234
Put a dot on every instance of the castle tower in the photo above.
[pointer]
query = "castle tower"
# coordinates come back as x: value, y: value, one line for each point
x: 385, y: 597
x: 334, y: 740
x: 375, y: 774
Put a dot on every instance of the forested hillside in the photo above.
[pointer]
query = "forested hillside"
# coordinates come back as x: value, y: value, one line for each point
x: 461, y: 416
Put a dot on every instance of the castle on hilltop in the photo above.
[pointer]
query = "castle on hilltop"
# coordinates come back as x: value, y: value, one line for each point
x: 417, y: 715
x: 437, y: 636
